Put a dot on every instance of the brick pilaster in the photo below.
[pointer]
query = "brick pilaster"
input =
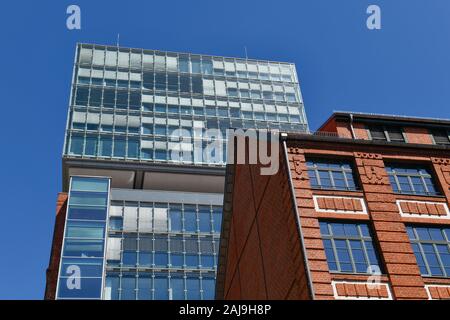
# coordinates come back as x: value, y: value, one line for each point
x: 321, y: 278
x: 396, y: 251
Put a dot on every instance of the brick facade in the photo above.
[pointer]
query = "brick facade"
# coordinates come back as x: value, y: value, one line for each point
x: 262, y: 212
x: 55, y: 255
x: 264, y: 238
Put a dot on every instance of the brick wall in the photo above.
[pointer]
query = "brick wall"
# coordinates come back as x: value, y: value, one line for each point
x: 360, y: 131
x: 264, y: 259
x: 55, y: 255
x: 393, y: 241
x: 377, y: 205
x: 418, y: 135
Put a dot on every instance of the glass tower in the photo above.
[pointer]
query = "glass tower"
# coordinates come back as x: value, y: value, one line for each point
x: 135, y: 119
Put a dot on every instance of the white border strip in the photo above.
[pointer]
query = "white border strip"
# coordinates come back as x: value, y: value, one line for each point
x: 427, y: 216
x: 363, y: 204
x: 427, y: 289
x: 336, y: 296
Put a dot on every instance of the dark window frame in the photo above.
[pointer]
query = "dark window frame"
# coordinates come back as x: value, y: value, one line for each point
x: 345, y: 172
x: 363, y: 239
x: 417, y: 241
x: 393, y: 175
x: 386, y: 131
x: 442, y: 133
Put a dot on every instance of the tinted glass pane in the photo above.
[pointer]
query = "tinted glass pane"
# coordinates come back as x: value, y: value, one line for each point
x: 161, y: 288
x: 208, y: 287
x: 83, y: 248
x: 85, y: 229
x: 88, y: 288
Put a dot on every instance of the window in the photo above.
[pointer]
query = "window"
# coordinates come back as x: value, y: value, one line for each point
x: 431, y: 247
x: 204, y: 217
x: 348, y: 247
x: 387, y: 133
x: 208, y: 286
x: 411, y: 179
x: 441, y: 137
x: 175, y: 222
x: 190, y: 219
x: 327, y: 174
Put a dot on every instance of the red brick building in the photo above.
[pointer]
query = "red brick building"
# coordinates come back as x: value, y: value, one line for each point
x: 359, y: 210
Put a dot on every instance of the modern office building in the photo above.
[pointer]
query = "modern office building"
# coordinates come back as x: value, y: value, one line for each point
x: 140, y: 210
x: 358, y: 210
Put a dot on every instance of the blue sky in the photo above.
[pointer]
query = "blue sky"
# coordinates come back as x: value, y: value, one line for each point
x: 401, y: 69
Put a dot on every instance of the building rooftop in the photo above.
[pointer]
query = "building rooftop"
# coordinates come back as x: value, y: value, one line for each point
x: 386, y: 117
x: 182, y: 53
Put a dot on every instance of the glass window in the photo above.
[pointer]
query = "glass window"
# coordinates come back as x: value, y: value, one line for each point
x: 329, y: 174
x: 128, y: 287
x: 76, y: 144
x: 105, y: 147
x: 91, y: 146
x: 85, y: 229
x: 386, y: 133
x: 145, y: 287
x: 160, y: 130
x: 96, y: 97
x: 90, y: 288
x: 172, y: 82
x: 208, y: 288
x: 348, y: 247
x: 122, y: 100
x: 133, y: 148
x: 90, y: 184
x: 82, y: 96
x: 109, y: 98
x: 204, y: 216
x: 148, y: 80
x: 160, y: 81
x: 207, y: 261
x: 184, y: 64
x: 217, y: 218
x: 193, y: 288
x: 83, y: 248
x: 161, y: 287
x: 207, y: 66
x: 176, y: 223
x: 116, y: 223
x: 147, y: 153
x: 161, y: 259
x: 197, y: 85
x: 411, y: 179
x: 185, y: 83
x: 160, y: 154
x: 195, y: 64
x: 112, y: 286
x: 119, y: 147
x: 431, y: 247
x: 441, y: 137
x: 190, y: 219
x: 177, y: 287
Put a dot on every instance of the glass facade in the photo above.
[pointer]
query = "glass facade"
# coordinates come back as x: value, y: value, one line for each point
x: 162, y: 250
x: 146, y: 106
x: 82, y: 259
x: 432, y: 249
x: 140, y: 105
